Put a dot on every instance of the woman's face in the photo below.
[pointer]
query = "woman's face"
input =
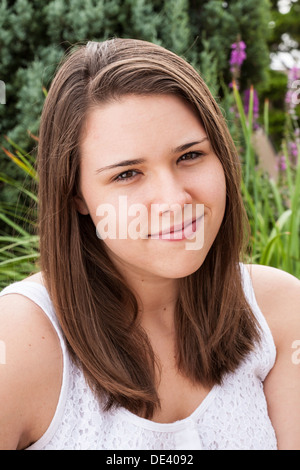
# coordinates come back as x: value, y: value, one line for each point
x: 152, y: 185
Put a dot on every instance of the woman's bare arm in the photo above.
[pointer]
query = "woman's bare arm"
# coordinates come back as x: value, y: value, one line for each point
x: 30, y: 372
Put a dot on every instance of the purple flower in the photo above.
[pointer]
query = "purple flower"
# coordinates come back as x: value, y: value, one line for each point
x: 238, y: 55
x: 293, y: 151
x: 281, y: 163
x: 288, y: 97
x: 294, y: 74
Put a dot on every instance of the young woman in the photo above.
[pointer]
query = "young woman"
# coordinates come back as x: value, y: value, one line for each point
x: 143, y: 329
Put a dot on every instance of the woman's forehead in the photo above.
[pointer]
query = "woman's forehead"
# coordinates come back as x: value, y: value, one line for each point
x: 138, y: 121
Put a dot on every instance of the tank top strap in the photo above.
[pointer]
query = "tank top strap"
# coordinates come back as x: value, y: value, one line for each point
x: 39, y: 295
x: 268, y: 345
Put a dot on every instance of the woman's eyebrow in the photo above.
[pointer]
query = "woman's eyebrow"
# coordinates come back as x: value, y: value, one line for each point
x: 184, y: 147
x: 136, y: 161
x: 139, y: 161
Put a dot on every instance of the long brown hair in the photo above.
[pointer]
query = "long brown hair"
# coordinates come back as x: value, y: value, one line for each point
x: 98, y: 313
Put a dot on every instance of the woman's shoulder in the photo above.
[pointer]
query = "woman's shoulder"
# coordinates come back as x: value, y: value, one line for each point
x: 22, y: 312
x: 24, y: 319
x: 278, y: 296
x: 30, y: 369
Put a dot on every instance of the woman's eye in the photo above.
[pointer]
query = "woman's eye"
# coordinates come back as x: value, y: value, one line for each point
x: 190, y: 156
x: 126, y: 175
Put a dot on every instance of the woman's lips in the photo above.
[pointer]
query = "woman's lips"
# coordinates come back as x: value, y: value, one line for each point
x: 178, y: 232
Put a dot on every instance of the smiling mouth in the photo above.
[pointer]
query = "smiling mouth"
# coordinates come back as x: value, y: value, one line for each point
x: 183, y: 231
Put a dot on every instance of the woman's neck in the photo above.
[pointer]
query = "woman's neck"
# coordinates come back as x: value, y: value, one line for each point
x: 157, y: 299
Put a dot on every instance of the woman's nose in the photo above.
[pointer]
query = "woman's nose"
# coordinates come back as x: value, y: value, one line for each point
x: 169, y: 194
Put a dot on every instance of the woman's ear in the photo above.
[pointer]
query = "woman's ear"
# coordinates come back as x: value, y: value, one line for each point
x: 80, y: 205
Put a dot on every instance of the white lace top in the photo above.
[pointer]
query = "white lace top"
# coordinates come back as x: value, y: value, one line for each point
x: 232, y: 416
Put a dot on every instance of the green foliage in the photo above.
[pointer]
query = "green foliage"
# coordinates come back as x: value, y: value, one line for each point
x: 276, y: 87
x: 34, y: 34
x: 18, y: 240
x: 223, y: 22
x: 272, y: 205
x: 175, y: 30
x: 287, y: 23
